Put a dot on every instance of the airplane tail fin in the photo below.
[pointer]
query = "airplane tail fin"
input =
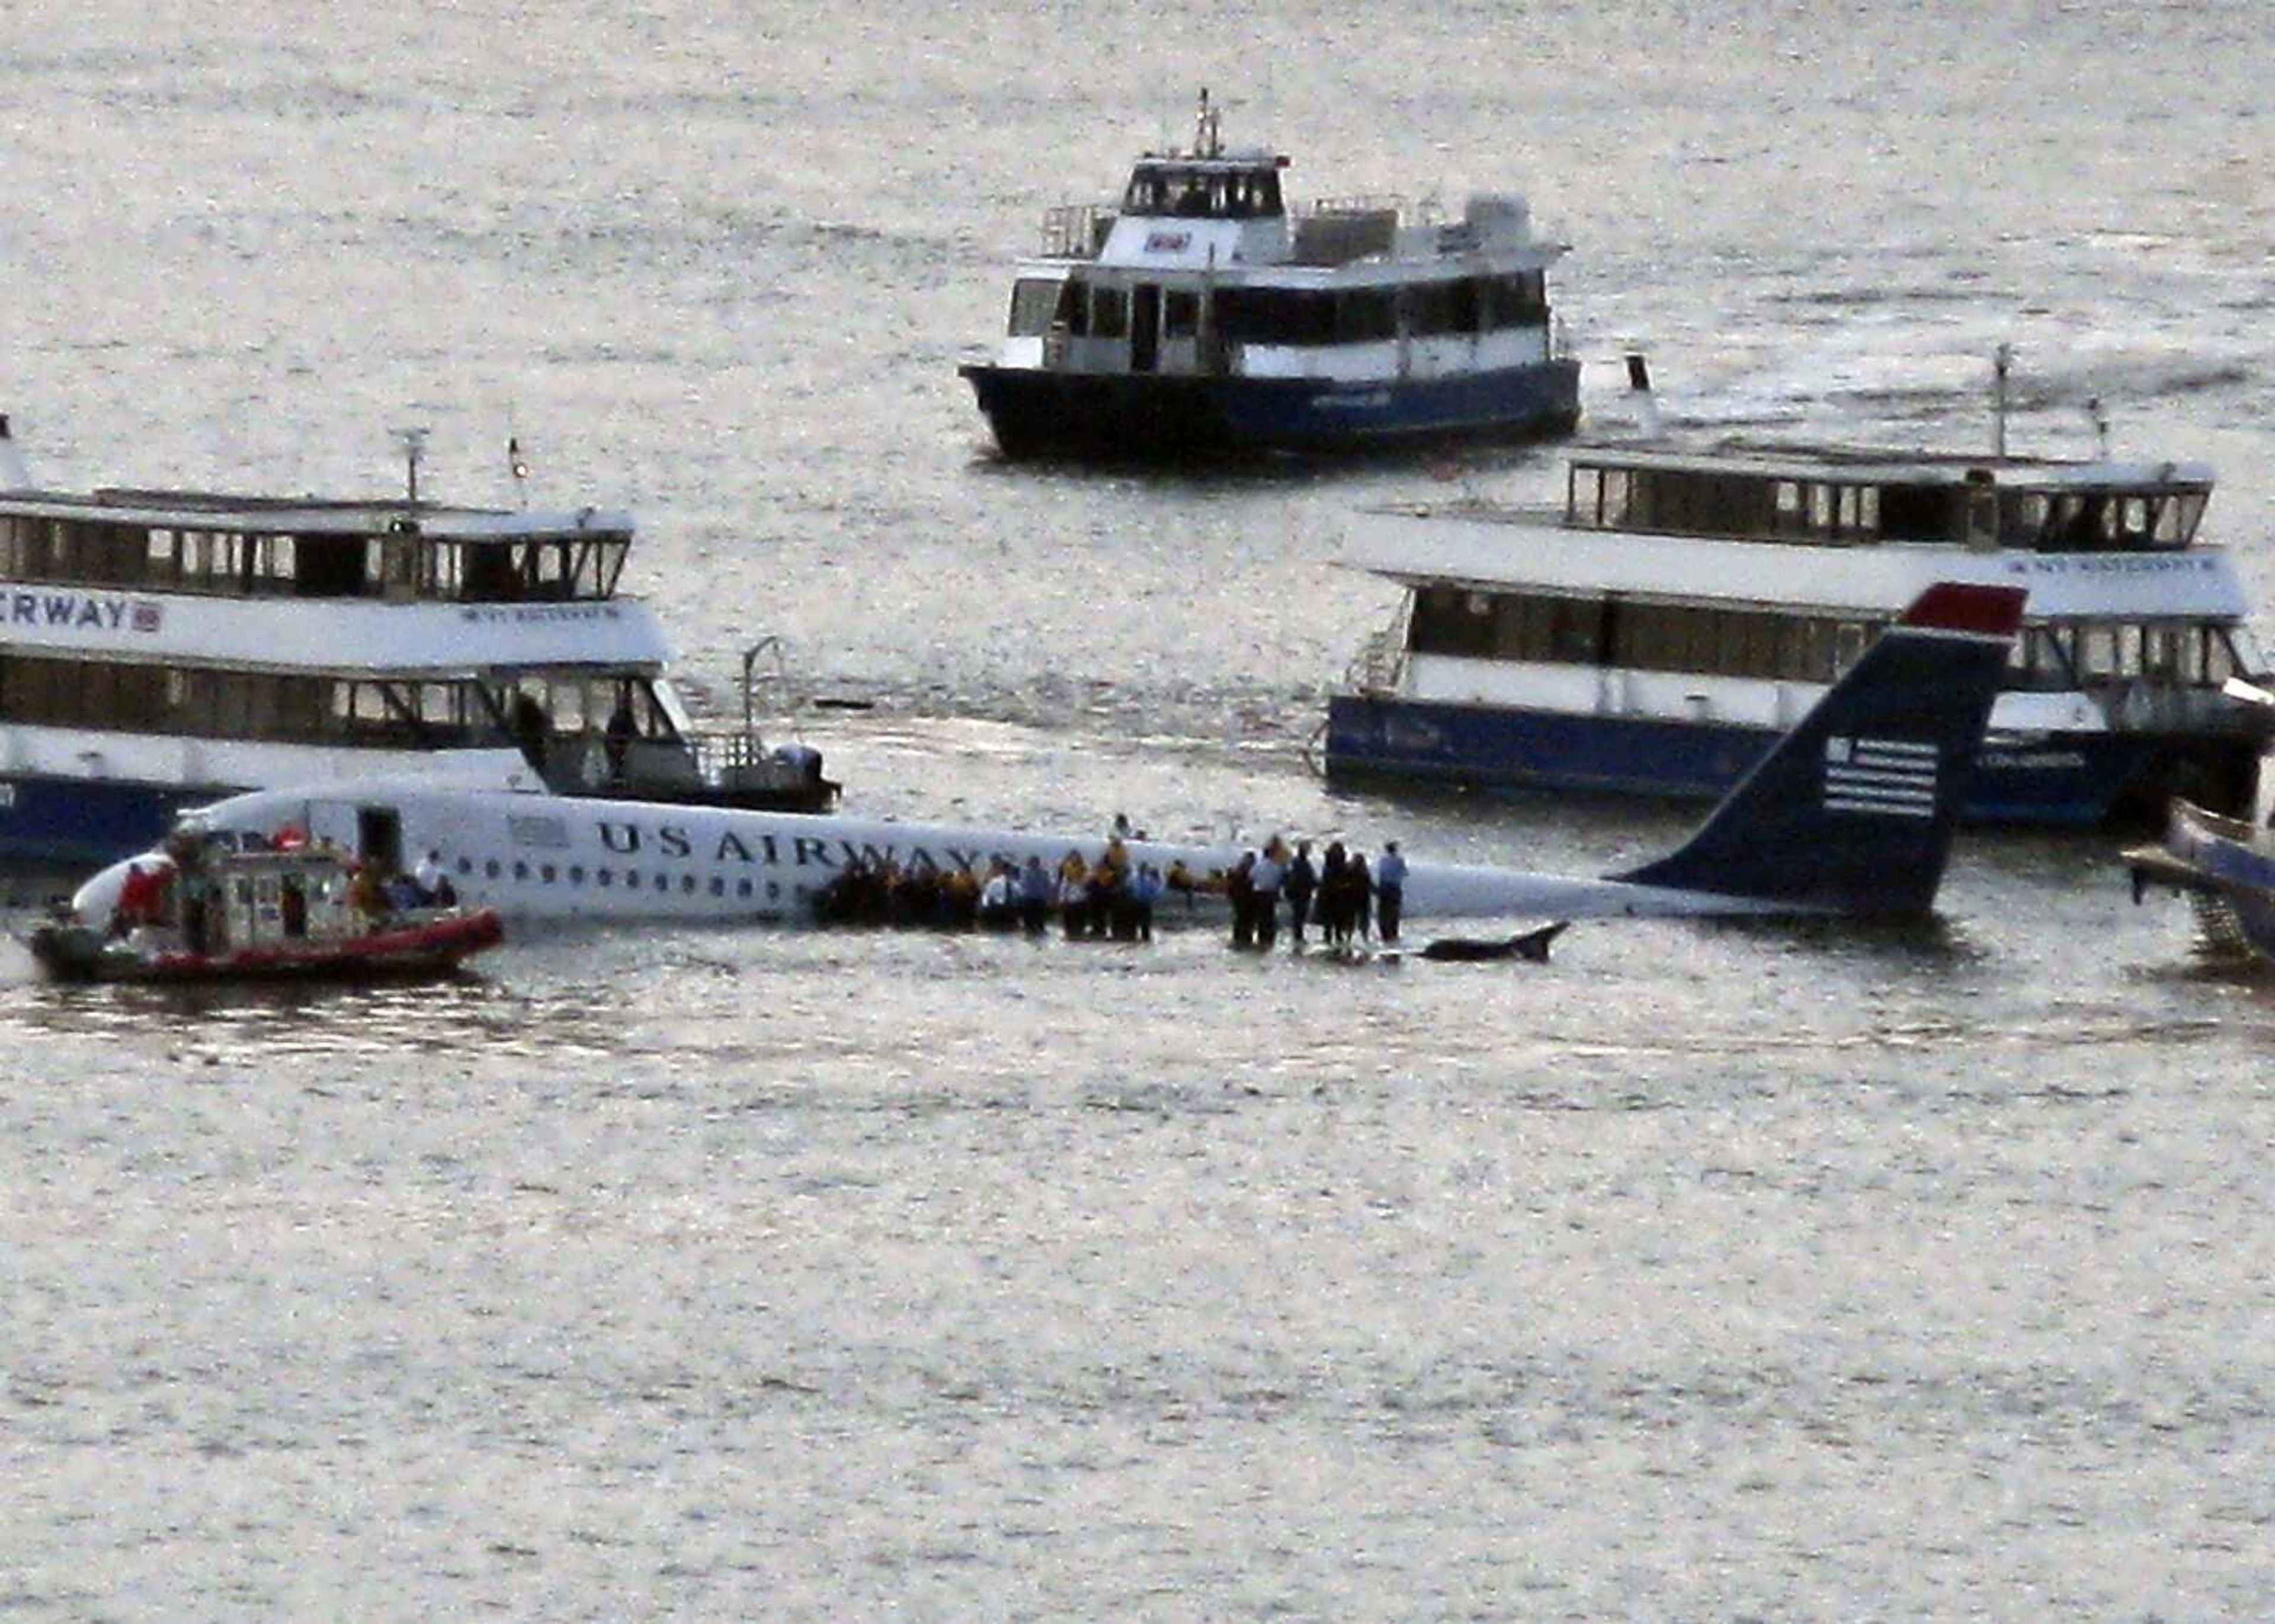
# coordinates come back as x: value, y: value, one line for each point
x: 1853, y: 811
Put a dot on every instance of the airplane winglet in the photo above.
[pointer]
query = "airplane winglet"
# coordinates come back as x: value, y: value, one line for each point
x: 1954, y: 605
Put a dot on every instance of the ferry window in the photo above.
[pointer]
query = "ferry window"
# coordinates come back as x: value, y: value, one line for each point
x: 554, y: 571
x: 1277, y: 316
x: 1440, y: 308
x: 2171, y: 653
x: 2021, y: 517
x: 1034, y: 301
x: 1787, y: 506
x: 1365, y: 315
x: 2134, y: 524
x: 2177, y: 526
x: 576, y: 873
x: 604, y: 877
x: 1805, y: 649
x: 2039, y: 662
x: 488, y: 571
x: 279, y: 561
x: 520, y: 870
x: 1443, y: 624
x: 1577, y: 634
x: 548, y: 873
x: 466, y: 865
x: 492, y: 868
x: 1920, y: 512
x: 2082, y: 523
x: 718, y: 885
x: 742, y: 887
x: 1110, y: 312
x: 1512, y: 301
x: 663, y: 882
x: 1075, y: 306
x: 1613, y: 505
x: 1181, y: 314
x: 632, y: 880
x: 2097, y: 652
x: 329, y: 566
x: 1849, y: 640
x: 2229, y: 651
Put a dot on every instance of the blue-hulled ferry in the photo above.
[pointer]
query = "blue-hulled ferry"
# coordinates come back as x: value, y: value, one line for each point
x: 1657, y: 632
x: 160, y: 649
x: 1205, y: 315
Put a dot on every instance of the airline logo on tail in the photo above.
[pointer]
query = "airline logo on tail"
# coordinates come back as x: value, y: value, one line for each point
x: 1880, y: 777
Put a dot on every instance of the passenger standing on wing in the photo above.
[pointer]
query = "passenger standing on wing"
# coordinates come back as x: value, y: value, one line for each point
x: 1034, y: 897
x: 1334, y: 895
x: 1144, y: 891
x: 1297, y: 885
x: 1240, y: 893
x: 1264, y: 891
x: 1361, y: 895
x: 1073, y: 894
x: 1390, y: 890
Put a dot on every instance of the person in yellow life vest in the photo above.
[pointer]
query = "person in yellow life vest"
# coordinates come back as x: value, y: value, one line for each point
x: 1073, y: 894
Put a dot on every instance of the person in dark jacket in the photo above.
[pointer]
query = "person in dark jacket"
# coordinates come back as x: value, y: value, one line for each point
x: 1297, y: 885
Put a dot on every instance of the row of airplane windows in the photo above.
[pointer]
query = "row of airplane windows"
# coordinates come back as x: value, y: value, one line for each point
x: 742, y: 888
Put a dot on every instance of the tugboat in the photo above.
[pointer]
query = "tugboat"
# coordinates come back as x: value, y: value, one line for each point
x: 1205, y: 317
x: 212, y: 911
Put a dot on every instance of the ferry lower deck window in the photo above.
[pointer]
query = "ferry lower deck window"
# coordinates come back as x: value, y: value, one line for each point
x: 1034, y: 302
x: 1366, y: 315
x: 742, y: 887
x: 1181, y: 314
x: 1110, y: 312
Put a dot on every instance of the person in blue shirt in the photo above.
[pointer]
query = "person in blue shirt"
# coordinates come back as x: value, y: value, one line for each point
x: 1389, y: 889
x: 1144, y: 891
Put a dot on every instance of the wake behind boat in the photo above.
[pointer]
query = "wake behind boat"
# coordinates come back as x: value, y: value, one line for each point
x: 1851, y: 814
x: 1205, y: 315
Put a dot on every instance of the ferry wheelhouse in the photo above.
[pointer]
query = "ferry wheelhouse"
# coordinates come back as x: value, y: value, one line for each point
x: 160, y: 649
x: 1205, y: 315
x: 1657, y: 633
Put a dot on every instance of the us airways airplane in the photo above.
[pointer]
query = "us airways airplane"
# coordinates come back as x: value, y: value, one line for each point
x: 1851, y: 813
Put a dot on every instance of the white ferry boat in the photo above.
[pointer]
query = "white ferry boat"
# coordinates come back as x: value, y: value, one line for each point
x: 160, y: 649
x: 1660, y: 630
x: 1204, y: 316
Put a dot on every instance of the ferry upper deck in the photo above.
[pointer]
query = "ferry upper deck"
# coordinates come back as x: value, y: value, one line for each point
x: 222, y: 544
